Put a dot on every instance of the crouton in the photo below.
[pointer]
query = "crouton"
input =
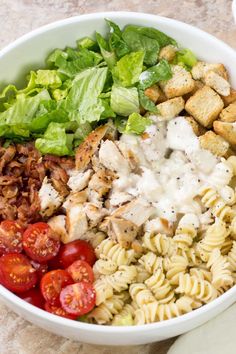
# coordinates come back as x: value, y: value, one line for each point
x: 87, y: 149
x: 153, y: 93
x: 226, y: 130
x: 162, y: 97
x: 180, y: 83
x: 214, y: 143
x: 230, y: 98
x: 168, y: 52
x: 229, y: 113
x: 205, y: 106
x: 217, y: 82
x: 197, y: 85
x: 197, y: 128
x: 171, y: 108
x: 201, y: 68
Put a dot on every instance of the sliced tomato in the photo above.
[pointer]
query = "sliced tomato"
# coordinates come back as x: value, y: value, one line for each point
x: 81, y: 271
x: 10, y: 237
x: 33, y: 297
x: 74, y: 251
x: 16, y: 272
x: 40, y: 242
x: 41, y: 268
x: 52, y: 283
x: 58, y: 310
x: 78, y: 299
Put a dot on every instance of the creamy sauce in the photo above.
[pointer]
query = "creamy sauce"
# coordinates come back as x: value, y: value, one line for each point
x: 172, y: 168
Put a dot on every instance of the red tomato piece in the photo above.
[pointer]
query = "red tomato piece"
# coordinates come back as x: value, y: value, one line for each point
x: 40, y: 242
x: 78, y: 299
x: 10, y: 237
x: 41, y: 268
x: 74, y: 251
x: 58, y: 310
x: 52, y: 283
x: 33, y: 297
x: 81, y: 271
x: 16, y: 272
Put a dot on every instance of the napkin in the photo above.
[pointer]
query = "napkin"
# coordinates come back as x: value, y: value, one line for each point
x: 217, y: 336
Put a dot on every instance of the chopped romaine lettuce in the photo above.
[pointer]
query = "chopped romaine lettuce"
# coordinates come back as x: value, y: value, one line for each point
x: 87, y: 43
x: 186, y: 57
x: 137, y: 124
x: 108, y: 55
x: 55, y: 141
x: 116, y: 41
x: 154, y: 74
x: 48, y: 78
x: 128, y: 69
x: 124, y: 101
x: 146, y: 103
x: 83, y: 103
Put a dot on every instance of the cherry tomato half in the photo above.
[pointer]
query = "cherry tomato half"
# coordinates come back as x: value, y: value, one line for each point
x: 40, y: 242
x: 33, y: 297
x: 10, y: 237
x: 52, y: 283
x: 81, y: 271
x: 16, y: 272
x: 74, y: 251
x: 58, y: 310
x: 78, y: 299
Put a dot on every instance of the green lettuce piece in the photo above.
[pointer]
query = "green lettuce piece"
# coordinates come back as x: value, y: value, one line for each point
x: 128, y: 69
x: 73, y: 61
x: 20, y: 115
x: 124, y: 101
x: 159, y: 72
x: 116, y: 41
x: 146, y: 103
x: 126, y: 320
x: 87, y: 43
x: 55, y: 141
x: 147, y: 39
x: 107, y: 112
x: 137, y: 124
x: 186, y: 57
x: 120, y: 123
x: 48, y: 79
x: 83, y: 103
x: 108, y: 55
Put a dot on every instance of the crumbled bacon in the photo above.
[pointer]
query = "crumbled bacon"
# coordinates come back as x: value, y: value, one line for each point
x: 22, y: 170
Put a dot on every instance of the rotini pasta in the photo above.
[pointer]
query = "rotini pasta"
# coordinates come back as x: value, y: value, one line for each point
x: 200, y: 289
x: 160, y: 287
x: 121, y: 279
x: 104, y: 313
x: 177, y: 265
x: 104, y: 267
x: 232, y: 260
x: 160, y: 243
x: 124, y: 317
x: 140, y: 294
x: 108, y: 249
x: 220, y: 269
x: 151, y: 262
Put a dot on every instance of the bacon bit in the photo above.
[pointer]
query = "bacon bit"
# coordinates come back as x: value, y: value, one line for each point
x: 145, y: 136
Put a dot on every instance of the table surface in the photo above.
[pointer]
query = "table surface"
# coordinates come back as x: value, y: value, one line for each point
x: 20, y: 16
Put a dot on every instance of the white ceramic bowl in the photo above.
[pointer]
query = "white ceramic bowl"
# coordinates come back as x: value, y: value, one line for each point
x: 29, y: 52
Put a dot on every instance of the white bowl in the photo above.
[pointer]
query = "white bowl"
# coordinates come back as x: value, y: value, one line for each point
x: 29, y: 52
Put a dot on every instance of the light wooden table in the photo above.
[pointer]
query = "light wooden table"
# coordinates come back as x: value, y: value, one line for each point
x: 20, y: 16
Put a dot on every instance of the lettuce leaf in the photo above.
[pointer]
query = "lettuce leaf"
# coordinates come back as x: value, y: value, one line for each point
x: 116, y: 41
x: 146, y: 103
x: 124, y: 101
x: 55, y: 141
x: 186, y: 57
x: 83, y: 103
x: 137, y: 124
x: 108, y: 55
x: 128, y: 69
x: 87, y: 43
x: 48, y: 79
x: 154, y: 74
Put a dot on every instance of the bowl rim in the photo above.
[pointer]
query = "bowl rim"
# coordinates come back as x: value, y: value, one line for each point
x: 43, y: 315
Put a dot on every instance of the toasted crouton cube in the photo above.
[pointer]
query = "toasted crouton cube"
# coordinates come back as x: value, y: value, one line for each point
x: 168, y: 53
x: 226, y: 130
x: 229, y: 113
x: 197, y: 128
x: 205, y: 106
x: 197, y: 86
x: 214, y: 143
x: 171, y: 108
x: 153, y: 93
x: 162, y: 97
x: 217, y: 82
x: 180, y: 83
x: 230, y: 98
x: 201, y: 68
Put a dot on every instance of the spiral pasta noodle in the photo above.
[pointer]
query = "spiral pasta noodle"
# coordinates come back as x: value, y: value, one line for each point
x: 104, y: 267
x: 177, y: 265
x: 160, y: 287
x: 151, y: 262
x: 108, y: 249
x: 220, y: 269
x: 200, y: 289
x: 121, y: 279
x: 104, y: 313
x: 160, y: 243
x: 124, y: 317
x: 184, y: 236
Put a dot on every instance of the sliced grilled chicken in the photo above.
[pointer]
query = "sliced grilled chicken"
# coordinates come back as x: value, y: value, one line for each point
x: 79, y: 180
x: 76, y: 223
x: 50, y: 199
